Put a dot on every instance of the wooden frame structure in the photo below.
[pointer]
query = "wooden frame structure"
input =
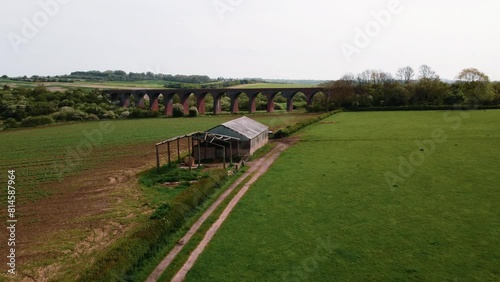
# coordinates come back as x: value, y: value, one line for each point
x: 207, y: 137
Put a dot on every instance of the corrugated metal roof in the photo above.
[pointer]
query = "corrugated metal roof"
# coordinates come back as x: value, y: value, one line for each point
x: 246, y: 127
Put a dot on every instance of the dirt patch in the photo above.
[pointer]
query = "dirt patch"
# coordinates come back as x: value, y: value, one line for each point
x: 85, y: 214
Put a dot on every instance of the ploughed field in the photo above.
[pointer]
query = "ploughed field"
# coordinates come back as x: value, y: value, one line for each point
x: 383, y: 196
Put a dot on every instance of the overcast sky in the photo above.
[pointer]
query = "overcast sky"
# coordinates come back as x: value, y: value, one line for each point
x: 283, y: 39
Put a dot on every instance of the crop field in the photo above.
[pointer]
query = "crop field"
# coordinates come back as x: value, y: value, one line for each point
x: 39, y: 153
x: 385, y: 196
x: 77, y: 183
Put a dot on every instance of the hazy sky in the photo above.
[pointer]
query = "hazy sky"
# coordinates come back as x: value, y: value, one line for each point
x: 289, y: 39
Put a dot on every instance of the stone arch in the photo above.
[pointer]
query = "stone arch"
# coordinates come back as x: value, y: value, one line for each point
x: 270, y: 95
x: 154, y: 98
x: 138, y: 96
x: 252, y: 97
x: 310, y: 95
x: 217, y: 96
x: 234, y: 96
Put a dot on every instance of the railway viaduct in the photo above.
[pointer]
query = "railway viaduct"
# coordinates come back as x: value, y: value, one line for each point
x: 123, y: 96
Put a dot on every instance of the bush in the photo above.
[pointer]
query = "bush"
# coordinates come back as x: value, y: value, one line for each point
x: 36, y: 121
x: 124, y: 114
x: 140, y: 113
x: 178, y: 110
x: 10, y: 123
x: 193, y: 112
x: 93, y: 117
x: 66, y: 103
x: 70, y: 114
x: 108, y: 115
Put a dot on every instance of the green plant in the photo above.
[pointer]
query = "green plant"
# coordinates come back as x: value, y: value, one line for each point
x: 193, y: 112
x: 36, y: 121
x: 178, y: 110
x: 10, y: 123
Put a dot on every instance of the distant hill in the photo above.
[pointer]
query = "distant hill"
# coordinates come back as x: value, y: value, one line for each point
x: 295, y: 81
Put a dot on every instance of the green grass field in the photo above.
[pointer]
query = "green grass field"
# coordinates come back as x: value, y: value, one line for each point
x: 325, y: 211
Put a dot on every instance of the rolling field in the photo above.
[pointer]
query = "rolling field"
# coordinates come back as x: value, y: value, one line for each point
x: 358, y: 200
x: 62, y: 86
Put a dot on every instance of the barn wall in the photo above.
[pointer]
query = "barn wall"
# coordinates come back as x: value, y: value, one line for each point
x: 259, y: 141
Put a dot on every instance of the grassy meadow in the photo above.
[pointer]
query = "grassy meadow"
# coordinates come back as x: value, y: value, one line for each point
x: 326, y: 212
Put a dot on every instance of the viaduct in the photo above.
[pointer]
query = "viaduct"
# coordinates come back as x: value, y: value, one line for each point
x: 123, y: 96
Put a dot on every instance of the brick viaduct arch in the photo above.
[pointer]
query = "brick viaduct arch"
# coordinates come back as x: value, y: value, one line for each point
x: 123, y: 95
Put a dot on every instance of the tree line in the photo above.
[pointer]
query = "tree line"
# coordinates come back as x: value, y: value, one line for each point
x: 120, y: 75
x: 376, y: 88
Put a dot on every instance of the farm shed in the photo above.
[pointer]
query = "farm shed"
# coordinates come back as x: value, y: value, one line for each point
x: 251, y: 134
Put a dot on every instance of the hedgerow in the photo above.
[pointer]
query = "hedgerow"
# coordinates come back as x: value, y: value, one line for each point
x: 130, y: 253
x: 289, y: 130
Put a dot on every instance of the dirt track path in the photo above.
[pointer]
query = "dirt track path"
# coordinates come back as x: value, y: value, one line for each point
x: 259, y: 167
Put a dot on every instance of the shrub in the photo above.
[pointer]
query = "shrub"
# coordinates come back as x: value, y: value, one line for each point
x: 278, y: 107
x: 66, y: 103
x: 124, y: 114
x: 193, y: 112
x: 108, y: 115
x: 178, y: 110
x: 10, y: 123
x: 93, y: 117
x: 140, y: 113
x: 36, y: 121
x: 70, y: 114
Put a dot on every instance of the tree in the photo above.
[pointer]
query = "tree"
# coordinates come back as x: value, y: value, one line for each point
x: 472, y: 74
x: 405, y: 74
x: 476, y: 86
x: 425, y: 72
x: 339, y: 93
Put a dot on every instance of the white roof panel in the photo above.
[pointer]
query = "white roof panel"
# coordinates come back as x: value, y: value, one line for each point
x: 246, y: 127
